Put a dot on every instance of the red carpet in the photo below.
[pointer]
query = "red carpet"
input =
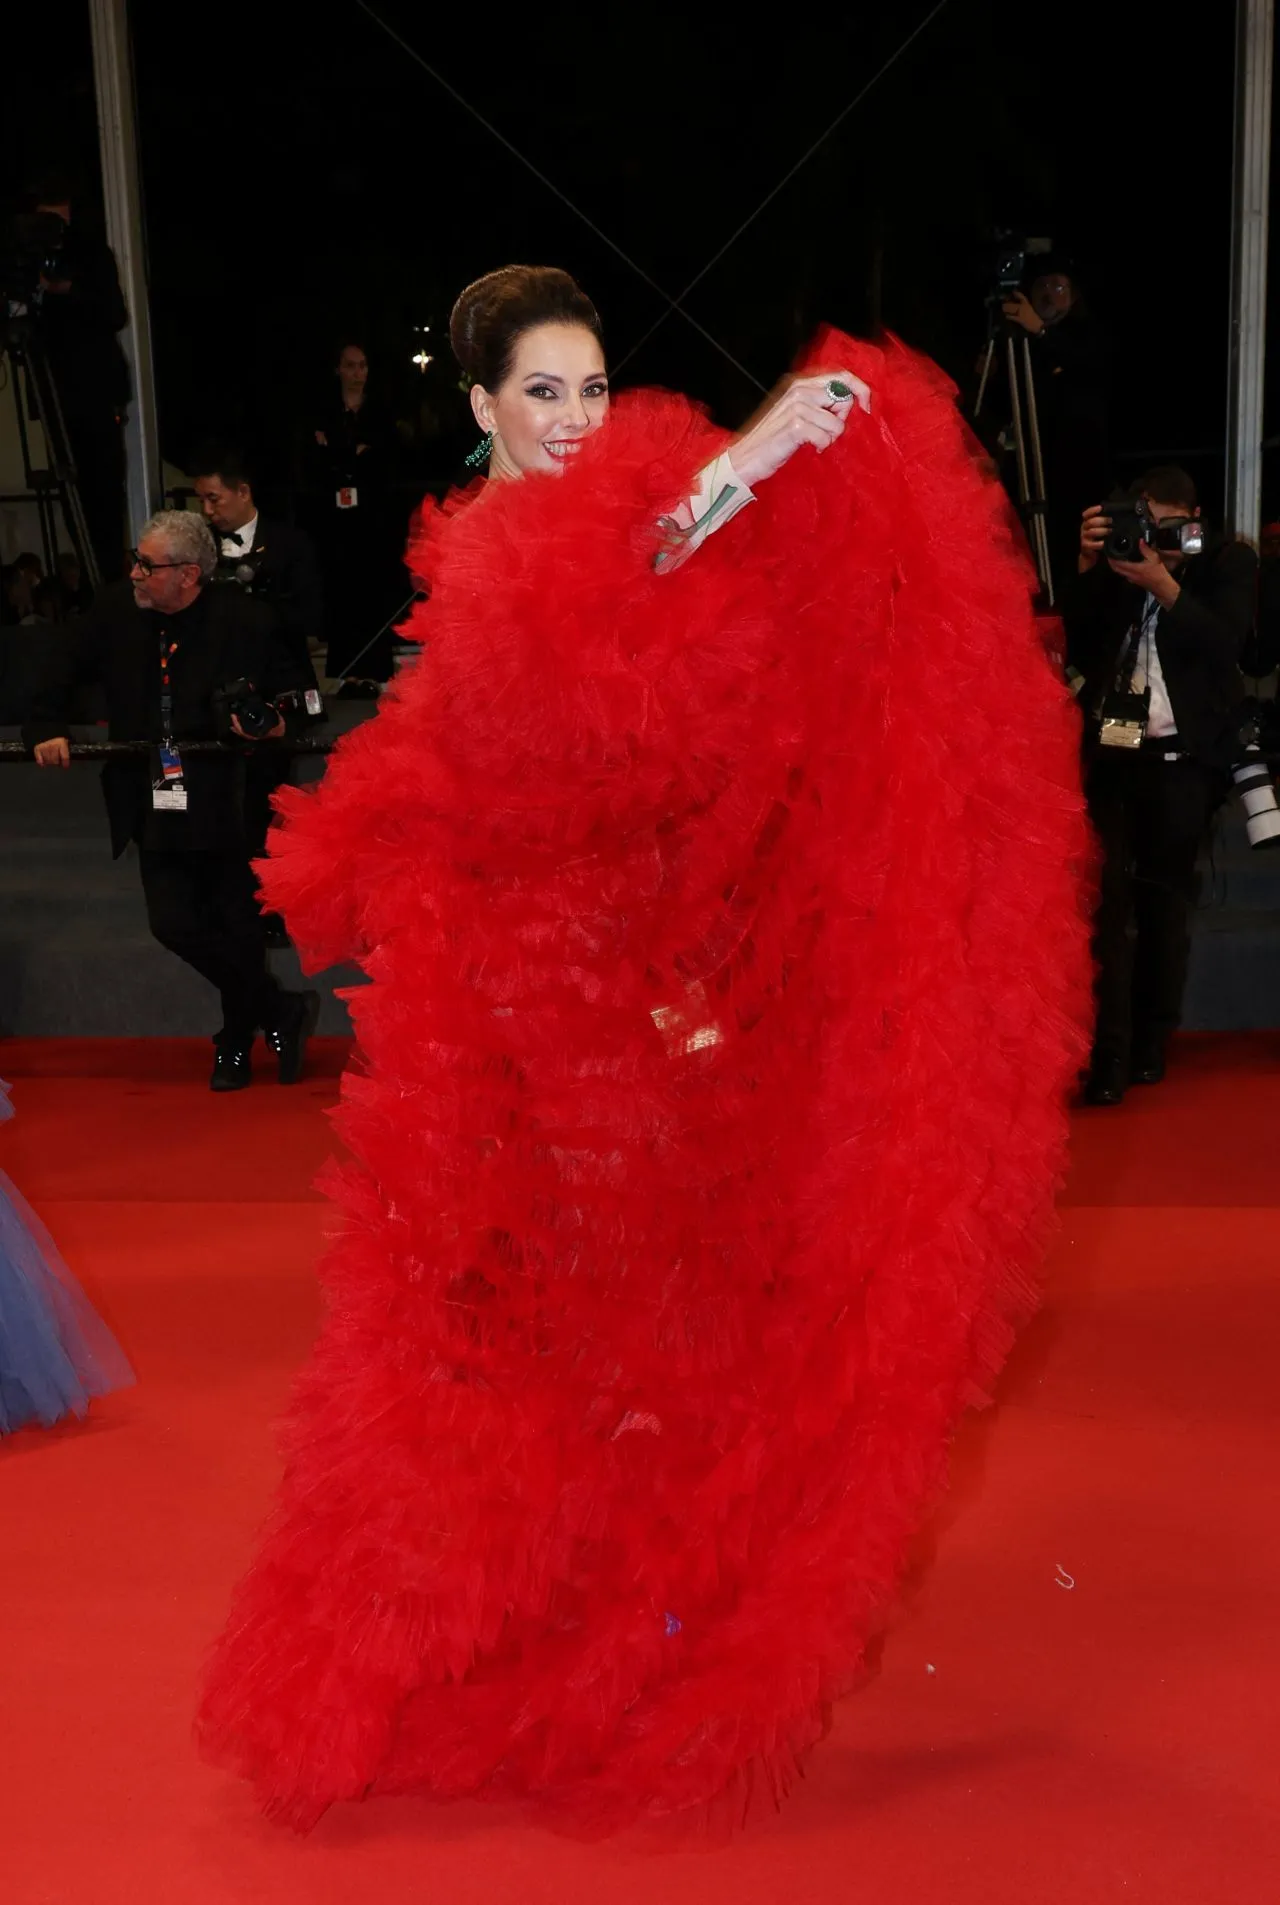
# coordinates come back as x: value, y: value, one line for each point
x: 1024, y: 1740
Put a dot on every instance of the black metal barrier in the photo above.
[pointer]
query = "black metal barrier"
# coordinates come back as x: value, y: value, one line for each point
x: 106, y: 750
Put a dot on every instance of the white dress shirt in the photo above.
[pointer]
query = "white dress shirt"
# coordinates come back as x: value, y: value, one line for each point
x: 1147, y: 673
x: 244, y: 546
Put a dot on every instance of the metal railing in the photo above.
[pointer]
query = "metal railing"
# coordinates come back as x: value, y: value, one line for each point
x: 107, y: 750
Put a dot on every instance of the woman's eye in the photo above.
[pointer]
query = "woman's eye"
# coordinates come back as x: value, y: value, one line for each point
x: 540, y: 390
x: 596, y: 390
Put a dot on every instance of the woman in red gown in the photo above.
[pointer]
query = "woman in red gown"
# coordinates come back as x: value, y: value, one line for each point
x: 728, y: 969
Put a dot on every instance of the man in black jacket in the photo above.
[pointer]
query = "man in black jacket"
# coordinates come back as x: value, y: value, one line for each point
x: 276, y: 564
x: 1071, y: 357
x: 164, y: 646
x: 82, y: 314
x: 267, y: 558
x: 1157, y: 641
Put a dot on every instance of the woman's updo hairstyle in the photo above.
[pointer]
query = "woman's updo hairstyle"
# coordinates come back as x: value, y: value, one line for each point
x: 492, y: 314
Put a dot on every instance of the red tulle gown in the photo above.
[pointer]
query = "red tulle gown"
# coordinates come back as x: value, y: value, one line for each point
x: 727, y: 948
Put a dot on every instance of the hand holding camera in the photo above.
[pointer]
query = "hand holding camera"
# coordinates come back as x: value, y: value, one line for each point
x: 1019, y: 310
x: 1138, y: 544
x: 1095, y: 527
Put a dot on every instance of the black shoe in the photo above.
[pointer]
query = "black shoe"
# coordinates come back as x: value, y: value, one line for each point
x: 1106, y: 1082
x: 273, y: 932
x: 295, y: 1023
x: 1147, y: 1066
x: 232, y: 1070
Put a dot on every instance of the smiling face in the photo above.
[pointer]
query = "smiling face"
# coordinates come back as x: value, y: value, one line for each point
x: 555, y: 394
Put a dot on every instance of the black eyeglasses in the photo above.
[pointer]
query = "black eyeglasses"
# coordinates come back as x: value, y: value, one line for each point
x: 148, y: 567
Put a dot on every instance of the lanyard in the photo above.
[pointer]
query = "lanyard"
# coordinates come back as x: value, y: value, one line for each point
x: 1146, y: 643
x: 168, y: 650
x: 1135, y: 655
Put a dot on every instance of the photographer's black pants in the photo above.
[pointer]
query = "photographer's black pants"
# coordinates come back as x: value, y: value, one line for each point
x: 204, y: 908
x: 263, y: 775
x: 1151, y: 817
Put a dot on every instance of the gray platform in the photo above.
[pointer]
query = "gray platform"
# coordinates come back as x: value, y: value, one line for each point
x: 76, y: 958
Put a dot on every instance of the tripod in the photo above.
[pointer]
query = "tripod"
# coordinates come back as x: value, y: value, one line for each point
x: 1025, y: 425
x: 53, y: 488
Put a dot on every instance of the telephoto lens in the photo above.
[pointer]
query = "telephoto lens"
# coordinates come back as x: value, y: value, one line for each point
x: 1256, y: 793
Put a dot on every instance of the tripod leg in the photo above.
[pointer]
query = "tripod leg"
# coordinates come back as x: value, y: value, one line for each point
x: 988, y: 358
x: 1019, y: 440
x: 1039, y: 500
x: 66, y: 485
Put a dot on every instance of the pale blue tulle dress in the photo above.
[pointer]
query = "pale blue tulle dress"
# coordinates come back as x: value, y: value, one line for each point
x: 56, y: 1353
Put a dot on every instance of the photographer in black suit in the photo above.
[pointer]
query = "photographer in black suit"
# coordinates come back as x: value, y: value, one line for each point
x: 82, y: 313
x: 276, y: 564
x: 167, y: 647
x: 269, y: 559
x: 1156, y: 618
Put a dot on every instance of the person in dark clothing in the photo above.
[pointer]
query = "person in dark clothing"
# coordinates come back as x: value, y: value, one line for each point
x: 349, y: 469
x: 276, y: 564
x: 1071, y: 364
x: 82, y: 313
x: 266, y: 557
x: 1157, y: 643
x: 163, y: 646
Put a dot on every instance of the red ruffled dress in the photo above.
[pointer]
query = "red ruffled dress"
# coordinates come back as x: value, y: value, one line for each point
x: 727, y: 940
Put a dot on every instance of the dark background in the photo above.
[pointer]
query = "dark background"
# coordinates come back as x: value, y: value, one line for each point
x: 306, y: 179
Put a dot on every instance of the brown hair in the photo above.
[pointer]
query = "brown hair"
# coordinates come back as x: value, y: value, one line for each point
x: 491, y: 315
x: 1167, y: 483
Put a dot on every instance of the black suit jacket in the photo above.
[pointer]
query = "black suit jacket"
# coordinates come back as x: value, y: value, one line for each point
x: 223, y: 637
x: 286, y: 579
x: 1199, y: 641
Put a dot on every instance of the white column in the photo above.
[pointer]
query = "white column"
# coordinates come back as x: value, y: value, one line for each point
x: 117, y: 138
x: 1254, y: 35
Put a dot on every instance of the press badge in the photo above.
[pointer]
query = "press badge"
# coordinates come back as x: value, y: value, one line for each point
x: 348, y: 498
x: 1124, y: 720
x: 168, y: 788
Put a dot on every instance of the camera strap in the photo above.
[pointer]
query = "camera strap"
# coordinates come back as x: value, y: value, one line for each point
x: 1126, y: 708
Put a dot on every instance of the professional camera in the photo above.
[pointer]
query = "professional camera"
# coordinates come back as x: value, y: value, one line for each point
x: 256, y: 715
x: 1132, y: 524
x: 1010, y: 266
x: 29, y: 253
x: 1256, y: 792
x: 1007, y: 264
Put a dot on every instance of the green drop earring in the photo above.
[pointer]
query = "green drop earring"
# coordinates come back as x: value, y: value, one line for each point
x: 481, y: 452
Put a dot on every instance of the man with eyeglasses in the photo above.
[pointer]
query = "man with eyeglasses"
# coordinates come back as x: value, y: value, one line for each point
x: 165, y: 646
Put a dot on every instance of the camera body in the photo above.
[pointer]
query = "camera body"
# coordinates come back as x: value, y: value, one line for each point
x: 256, y: 715
x: 1132, y: 524
x: 29, y: 253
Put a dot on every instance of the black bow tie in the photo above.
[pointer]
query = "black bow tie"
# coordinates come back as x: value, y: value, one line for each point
x: 233, y: 535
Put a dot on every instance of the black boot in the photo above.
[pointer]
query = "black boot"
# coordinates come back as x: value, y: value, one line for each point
x: 295, y: 1021
x: 1147, y: 1065
x: 232, y: 1070
x: 1106, y: 1082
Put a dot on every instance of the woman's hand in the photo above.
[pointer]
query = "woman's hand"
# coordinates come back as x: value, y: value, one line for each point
x: 806, y: 412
